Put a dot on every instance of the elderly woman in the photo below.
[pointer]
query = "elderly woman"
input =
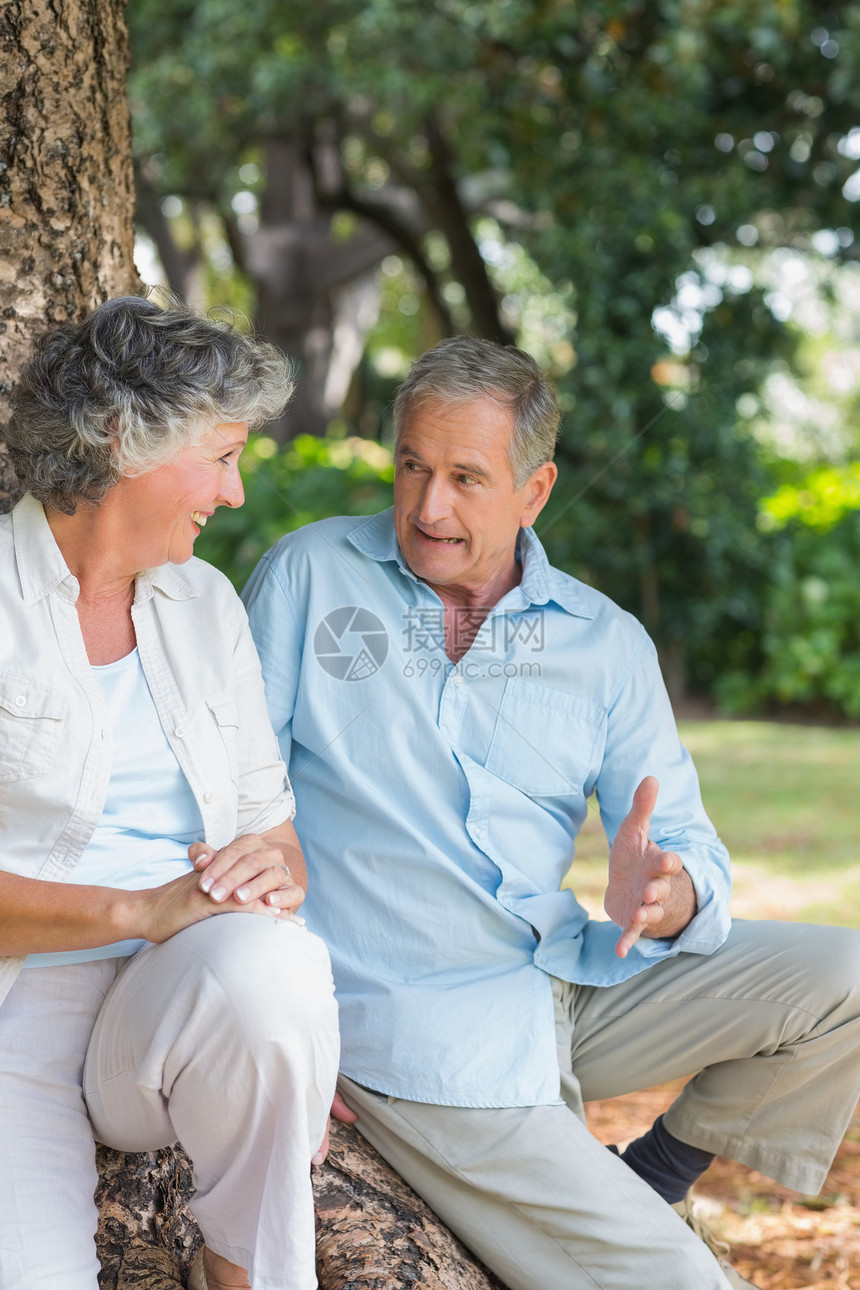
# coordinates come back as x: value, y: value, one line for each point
x: 141, y: 795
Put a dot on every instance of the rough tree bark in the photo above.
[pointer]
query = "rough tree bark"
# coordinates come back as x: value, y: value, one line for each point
x: 66, y: 194
x: 373, y: 1232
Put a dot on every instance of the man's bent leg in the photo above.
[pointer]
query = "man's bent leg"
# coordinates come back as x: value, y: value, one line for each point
x: 536, y: 1196
x: 772, y: 1023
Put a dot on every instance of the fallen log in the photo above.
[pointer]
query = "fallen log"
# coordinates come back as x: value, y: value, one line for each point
x: 147, y: 1236
x: 373, y: 1231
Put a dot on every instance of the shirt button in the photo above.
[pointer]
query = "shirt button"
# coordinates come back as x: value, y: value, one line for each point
x: 208, y: 797
x: 458, y: 680
x: 20, y: 700
x: 179, y: 732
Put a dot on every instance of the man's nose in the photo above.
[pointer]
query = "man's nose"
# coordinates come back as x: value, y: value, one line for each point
x: 435, y: 501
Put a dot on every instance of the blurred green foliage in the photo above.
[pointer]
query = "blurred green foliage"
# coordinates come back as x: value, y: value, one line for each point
x: 608, y: 168
x: 819, y: 501
x: 289, y: 487
x: 808, y: 651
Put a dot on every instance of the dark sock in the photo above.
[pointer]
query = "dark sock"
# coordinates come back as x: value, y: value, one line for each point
x: 665, y: 1163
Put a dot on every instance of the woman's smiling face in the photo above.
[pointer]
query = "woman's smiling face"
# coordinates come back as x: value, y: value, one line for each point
x: 169, y: 505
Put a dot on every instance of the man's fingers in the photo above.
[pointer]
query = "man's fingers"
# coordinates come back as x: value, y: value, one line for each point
x: 627, y: 940
x: 341, y: 1111
x: 324, y: 1145
x: 650, y: 911
x: 644, y: 801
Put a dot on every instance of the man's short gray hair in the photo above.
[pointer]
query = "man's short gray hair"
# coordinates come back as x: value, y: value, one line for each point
x: 129, y: 387
x: 463, y: 368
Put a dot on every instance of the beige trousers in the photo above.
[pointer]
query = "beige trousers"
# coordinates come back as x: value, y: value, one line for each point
x: 224, y: 1037
x: 772, y: 1024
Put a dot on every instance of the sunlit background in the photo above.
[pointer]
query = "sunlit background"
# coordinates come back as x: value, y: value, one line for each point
x: 659, y: 201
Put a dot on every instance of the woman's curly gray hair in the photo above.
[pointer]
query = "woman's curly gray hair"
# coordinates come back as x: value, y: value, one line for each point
x: 126, y: 389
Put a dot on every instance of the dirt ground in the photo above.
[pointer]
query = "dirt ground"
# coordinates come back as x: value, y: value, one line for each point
x: 779, y: 1240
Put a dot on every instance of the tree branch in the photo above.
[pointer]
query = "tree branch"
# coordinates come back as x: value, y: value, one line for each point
x: 443, y: 198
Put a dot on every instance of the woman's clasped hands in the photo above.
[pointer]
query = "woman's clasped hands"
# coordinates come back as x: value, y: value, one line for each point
x: 249, y: 875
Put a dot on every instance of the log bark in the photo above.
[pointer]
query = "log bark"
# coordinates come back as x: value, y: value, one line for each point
x: 373, y: 1232
x: 66, y: 188
x: 147, y: 1235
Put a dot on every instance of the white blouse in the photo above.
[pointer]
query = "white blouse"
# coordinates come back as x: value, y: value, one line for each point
x: 56, y: 744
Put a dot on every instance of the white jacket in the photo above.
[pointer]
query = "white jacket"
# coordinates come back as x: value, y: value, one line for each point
x: 55, y: 739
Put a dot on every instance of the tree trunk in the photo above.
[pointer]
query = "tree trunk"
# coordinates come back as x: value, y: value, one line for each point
x: 373, y: 1232
x: 66, y: 191
x: 317, y: 300
x: 446, y: 206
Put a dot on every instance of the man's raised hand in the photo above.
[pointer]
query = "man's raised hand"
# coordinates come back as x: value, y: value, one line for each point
x: 649, y: 892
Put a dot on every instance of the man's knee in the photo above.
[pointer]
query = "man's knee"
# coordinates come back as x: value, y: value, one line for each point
x: 840, y: 957
x: 829, y: 960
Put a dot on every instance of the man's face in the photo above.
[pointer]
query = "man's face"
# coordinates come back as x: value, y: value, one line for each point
x: 457, y: 510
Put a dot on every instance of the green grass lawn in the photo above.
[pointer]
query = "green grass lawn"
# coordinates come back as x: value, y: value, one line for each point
x: 785, y: 799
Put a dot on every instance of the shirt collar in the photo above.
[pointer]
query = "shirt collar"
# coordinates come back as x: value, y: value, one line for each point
x: 167, y: 579
x: 41, y: 566
x: 42, y: 569
x: 540, y: 584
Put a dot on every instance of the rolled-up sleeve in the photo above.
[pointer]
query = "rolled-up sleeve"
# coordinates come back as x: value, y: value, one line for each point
x: 265, y: 794
x: 642, y: 739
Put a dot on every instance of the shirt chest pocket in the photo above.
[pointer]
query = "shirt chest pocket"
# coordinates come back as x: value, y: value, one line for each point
x: 545, y: 741
x: 224, y: 709
x: 31, y: 722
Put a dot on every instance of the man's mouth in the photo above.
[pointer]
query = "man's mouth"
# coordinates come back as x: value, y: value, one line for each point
x: 444, y: 541
x: 199, y: 518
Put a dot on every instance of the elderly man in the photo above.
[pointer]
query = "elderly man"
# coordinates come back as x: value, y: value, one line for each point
x: 447, y: 703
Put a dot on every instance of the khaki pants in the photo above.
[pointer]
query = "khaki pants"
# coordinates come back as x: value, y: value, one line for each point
x: 224, y: 1037
x: 772, y: 1024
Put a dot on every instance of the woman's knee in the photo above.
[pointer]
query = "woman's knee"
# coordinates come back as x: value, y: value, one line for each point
x: 275, y: 976
x: 261, y: 979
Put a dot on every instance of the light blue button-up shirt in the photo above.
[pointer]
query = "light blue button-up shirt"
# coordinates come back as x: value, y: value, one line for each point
x: 438, y: 805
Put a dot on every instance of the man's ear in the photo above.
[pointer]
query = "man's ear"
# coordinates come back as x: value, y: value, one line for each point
x: 536, y: 491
